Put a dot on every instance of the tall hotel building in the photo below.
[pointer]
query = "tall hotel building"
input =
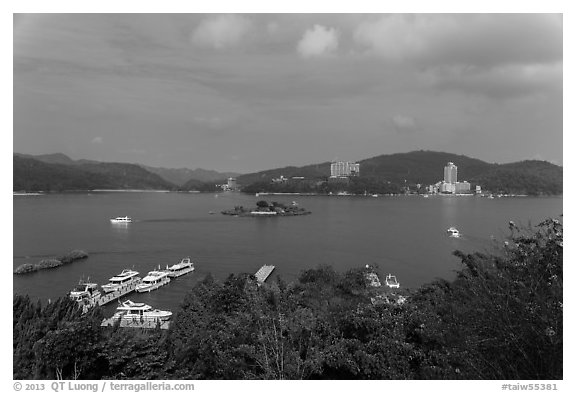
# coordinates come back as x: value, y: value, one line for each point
x: 344, y: 169
x: 450, y: 173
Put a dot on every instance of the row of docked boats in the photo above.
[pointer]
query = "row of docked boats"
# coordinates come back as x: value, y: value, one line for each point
x: 88, y: 293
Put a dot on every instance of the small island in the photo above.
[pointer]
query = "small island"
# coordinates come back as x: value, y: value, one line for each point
x: 267, y: 209
x: 51, y: 263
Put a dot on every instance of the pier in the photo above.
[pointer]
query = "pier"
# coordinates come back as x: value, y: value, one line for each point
x: 144, y: 323
x: 263, y: 273
x: 110, y: 297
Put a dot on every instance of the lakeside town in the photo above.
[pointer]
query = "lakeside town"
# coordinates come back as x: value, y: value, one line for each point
x: 343, y: 172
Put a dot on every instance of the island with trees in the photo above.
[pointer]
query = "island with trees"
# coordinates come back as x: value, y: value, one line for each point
x: 267, y: 209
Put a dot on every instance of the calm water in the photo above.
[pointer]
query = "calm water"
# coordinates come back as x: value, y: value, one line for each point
x: 403, y: 235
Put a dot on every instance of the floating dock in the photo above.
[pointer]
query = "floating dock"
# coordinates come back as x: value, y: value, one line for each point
x: 140, y: 324
x: 263, y: 273
x: 111, y: 296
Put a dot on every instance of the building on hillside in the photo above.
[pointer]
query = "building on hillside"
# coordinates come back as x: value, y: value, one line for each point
x: 344, y: 169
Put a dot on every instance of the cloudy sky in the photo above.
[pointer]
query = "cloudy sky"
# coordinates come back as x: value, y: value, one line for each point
x: 252, y: 92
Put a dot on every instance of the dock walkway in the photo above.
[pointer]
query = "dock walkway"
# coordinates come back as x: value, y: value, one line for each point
x: 141, y: 324
x: 263, y: 273
x: 110, y: 297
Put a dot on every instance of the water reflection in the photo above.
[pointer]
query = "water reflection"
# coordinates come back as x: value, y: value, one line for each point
x: 120, y: 228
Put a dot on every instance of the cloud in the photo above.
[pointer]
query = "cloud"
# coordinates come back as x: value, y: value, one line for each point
x: 403, y: 123
x: 503, y: 82
x: 221, y: 31
x: 318, y: 41
x: 214, y: 122
x: 97, y: 140
x: 463, y: 39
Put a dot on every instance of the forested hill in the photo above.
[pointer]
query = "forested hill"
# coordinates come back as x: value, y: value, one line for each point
x: 178, y: 177
x: 427, y: 167
x: 424, y: 167
x: 34, y: 175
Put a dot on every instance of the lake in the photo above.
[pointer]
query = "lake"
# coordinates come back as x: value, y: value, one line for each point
x: 403, y: 235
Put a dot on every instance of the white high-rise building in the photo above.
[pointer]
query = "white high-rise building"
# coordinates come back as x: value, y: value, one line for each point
x: 451, y: 173
x: 344, y: 169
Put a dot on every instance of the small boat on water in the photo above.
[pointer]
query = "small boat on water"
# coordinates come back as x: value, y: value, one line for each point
x: 140, y: 312
x: 181, y: 268
x: 391, y: 281
x: 121, y: 220
x: 121, y: 280
x: 85, y: 292
x: 154, y: 280
x: 453, y: 232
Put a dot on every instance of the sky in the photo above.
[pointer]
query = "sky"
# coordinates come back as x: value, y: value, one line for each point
x: 249, y: 92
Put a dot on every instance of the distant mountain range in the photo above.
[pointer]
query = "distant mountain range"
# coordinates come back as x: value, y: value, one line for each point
x: 57, y: 172
x: 60, y: 172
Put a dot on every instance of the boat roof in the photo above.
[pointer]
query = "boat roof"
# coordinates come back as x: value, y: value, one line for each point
x: 124, y: 275
x: 130, y: 305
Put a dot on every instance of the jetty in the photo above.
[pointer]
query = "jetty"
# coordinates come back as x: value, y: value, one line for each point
x: 263, y: 273
x: 110, y: 297
x: 144, y: 323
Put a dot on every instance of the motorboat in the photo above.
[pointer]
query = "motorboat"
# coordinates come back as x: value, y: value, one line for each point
x: 140, y: 312
x: 85, y: 292
x: 121, y: 220
x: 181, y: 268
x: 391, y: 281
x: 122, y: 280
x: 154, y: 280
x: 453, y: 232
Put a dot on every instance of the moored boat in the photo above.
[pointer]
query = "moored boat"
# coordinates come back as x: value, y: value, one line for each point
x: 122, y: 280
x: 453, y: 232
x: 154, y: 280
x: 140, y: 312
x: 181, y: 268
x: 121, y: 220
x: 86, y: 292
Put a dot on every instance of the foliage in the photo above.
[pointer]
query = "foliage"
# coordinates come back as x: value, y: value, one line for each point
x: 501, y: 318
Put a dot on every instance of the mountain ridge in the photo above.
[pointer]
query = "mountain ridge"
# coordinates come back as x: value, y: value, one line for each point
x: 176, y: 176
x: 387, y: 173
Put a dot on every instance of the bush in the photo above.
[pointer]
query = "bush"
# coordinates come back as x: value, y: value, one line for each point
x: 48, y: 264
x: 25, y: 268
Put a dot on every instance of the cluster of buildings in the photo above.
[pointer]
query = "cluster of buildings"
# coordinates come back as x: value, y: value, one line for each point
x: 343, y: 170
x: 231, y: 185
x: 339, y: 170
x: 450, y: 184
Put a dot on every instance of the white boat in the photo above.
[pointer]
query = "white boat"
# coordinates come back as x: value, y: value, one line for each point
x: 121, y: 280
x: 140, y: 312
x: 154, y: 280
x: 391, y: 281
x: 453, y: 232
x: 119, y: 220
x: 85, y: 292
x: 181, y: 268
